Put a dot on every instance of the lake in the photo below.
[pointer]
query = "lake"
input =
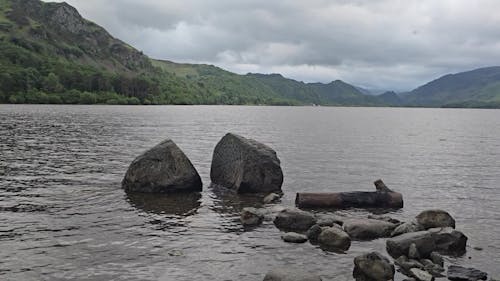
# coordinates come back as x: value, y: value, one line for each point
x: 64, y: 216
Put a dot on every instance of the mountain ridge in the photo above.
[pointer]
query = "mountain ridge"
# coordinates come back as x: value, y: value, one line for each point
x: 49, y: 53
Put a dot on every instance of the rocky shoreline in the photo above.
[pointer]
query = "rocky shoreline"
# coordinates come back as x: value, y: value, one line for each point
x: 244, y: 165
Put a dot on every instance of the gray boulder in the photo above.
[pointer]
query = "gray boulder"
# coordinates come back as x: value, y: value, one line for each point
x: 293, y: 237
x: 334, y: 238
x: 407, y: 227
x: 435, y: 218
x: 443, y: 240
x: 458, y: 273
x: 290, y: 274
x: 162, y: 169
x: 251, y: 216
x: 330, y: 220
x: 365, y: 229
x: 245, y: 165
x: 294, y: 219
x: 373, y: 267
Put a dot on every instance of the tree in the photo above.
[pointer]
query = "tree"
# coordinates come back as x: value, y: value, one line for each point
x: 51, y: 84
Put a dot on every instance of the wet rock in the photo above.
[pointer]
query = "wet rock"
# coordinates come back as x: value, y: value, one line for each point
x: 162, y: 169
x: 330, y: 220
x: 413, y: 252
x: 245, y: 165
x: 437, y: 258
x: 373, y: 267
x: 366, y: 229
x: 445, y: 240
x: 458, y: 273
x: 384, y: 218
x: 294, y: 219
x: 313, y: 233
x: 477, y: 248
x: 290, y: 274
x: 400, y: 245
x: 405, y: 264
x: 271, y: 198
x: 293, y: 237
x: 334, y: 238
x: 407, y: 227
x: 251, y: 216
x: 449, y: 241
x: 410, y: 279
x: 435, y: 218
x: 421, y: 275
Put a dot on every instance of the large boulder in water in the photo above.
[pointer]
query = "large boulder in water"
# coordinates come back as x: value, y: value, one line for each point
x: 373, y: 267
x: 246, y: 165
x: 435, y: 218
x: 162, y: 169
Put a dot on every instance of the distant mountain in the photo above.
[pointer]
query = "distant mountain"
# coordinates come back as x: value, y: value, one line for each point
x: 476, y: 88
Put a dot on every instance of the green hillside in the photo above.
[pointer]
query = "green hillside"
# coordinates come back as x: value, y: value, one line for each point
x: 476, y: 88
x: 50, y: 54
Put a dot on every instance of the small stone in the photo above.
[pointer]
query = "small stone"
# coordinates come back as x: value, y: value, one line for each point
x: 271, y: 198
x: 294, y: 220
x: 421, y: 275
x: 435, y: 218
x: 437, y: 258
x: 373, y: 266
x: 293, y: 237
x: 458, y: 273
x: 413, y: 252
x: 478, y: 248
x: 251, y: 216
x: 334, y: 239
x: 314, y: 232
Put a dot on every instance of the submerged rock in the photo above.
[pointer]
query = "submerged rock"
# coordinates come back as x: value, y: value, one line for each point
x: 271, y: 198
x: 407, y: 227
x: 365, y: 229
x: 435, y: 218
x: 251, y: 216
x: 294, y: 219
x: 290, y: 274
x: 458, y: 273
x: 313, y: 233
x: 162, y: 169
x: 334, y: 238
x: 245, y: 165
x: 293, y: 237
x: 373, y: 267
x: 444, y: 240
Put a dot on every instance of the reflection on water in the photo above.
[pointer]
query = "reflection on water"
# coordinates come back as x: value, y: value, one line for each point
x: 182, y: 204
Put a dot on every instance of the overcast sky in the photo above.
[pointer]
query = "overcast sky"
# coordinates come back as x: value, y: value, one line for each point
x: 384, y: 44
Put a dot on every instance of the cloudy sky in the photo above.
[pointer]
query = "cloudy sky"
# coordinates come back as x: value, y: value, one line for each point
x: 386, y: 44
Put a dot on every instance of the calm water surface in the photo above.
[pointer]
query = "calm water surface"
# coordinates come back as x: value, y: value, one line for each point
x: 63, y: 215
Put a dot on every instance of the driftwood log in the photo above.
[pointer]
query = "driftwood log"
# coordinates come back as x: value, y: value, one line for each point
x: 382, y: 198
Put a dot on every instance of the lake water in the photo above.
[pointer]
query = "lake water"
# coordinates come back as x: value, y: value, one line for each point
x: 64, y: 216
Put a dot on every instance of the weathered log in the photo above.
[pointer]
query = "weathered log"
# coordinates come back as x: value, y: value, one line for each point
x: 382, y: 198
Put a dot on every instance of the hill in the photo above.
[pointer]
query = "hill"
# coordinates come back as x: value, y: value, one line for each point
x: 476, y: 88
x: 50, y: 54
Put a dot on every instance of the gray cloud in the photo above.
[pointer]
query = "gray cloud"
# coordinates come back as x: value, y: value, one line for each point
x: 385, y: 44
